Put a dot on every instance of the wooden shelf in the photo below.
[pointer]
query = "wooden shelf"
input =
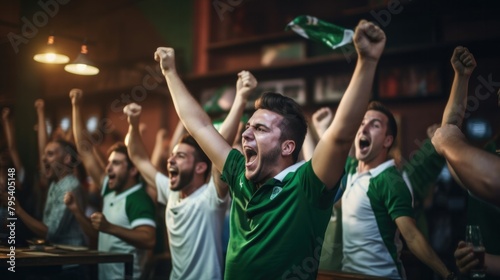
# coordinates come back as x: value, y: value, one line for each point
x: 302, y: 65
x: 310, y: 63
x: 255, y: 40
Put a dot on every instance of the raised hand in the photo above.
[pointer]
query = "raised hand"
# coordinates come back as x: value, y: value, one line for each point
x: 432, y: 129
x: 5, y: 114
x: 70, y: 201
x: 166, y: 58
x: 321, y: 119
x: 133, y: 111
x: 76, y: 96
x: 161, y: 135
x: 369, y: 40
x: 463, y: 61
x: 99, y: 221
x: 444, y: 134
x: 39, y: 104
x: 246, y: 84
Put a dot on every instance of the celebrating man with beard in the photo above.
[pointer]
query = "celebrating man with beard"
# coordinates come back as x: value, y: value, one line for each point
x: 280, y: 207
x: 195, y: 209
x: 127, y: 222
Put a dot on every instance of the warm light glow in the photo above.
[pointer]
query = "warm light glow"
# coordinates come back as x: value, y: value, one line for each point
x: 81, y: 69
x: 82, y: 65
x: 50, y: 56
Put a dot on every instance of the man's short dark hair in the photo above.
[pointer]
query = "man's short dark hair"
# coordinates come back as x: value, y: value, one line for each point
x: 69, y: 148
x: 120, y: 147
x: 392, y: 126
x: 199, y: 155
x: 294, y: 124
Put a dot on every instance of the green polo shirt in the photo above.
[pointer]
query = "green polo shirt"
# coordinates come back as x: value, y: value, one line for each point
x: 276, y: 231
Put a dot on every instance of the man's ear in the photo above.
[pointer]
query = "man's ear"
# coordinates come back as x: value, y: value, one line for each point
x: 201, y: 167
x: 287, y: 147
x: 389, y: 139
x: 133, y: 171
x: 67, y: 159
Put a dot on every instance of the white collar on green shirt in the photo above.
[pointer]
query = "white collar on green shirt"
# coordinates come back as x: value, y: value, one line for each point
x: 287, y: 170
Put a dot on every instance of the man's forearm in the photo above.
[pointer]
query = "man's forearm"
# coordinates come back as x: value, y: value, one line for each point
x: 190, y: 112
x: 457, y: 102
x: 37, y: 227
x: 142, y: 237
x: 423, y: 251
x: 353, y: 105
x: 85, y: 224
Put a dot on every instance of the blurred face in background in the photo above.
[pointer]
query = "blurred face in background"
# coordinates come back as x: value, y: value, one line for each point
x: 56, y: 161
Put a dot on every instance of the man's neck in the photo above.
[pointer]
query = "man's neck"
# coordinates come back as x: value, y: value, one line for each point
x: 130, y: 184
x: 364, y: 166
x: 189, y: 190
x: 61, y: 176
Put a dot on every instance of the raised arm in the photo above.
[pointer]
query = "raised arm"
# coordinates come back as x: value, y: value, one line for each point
x: 333, y: 147
x: 83, y: 145
x: 42, y: 138
x: 478, y: 170
x: 135, y: 146
x: 159, y: 154
x: 11, y: 143
x: 179, y: 131
x: 245, y: 84
x: 321, y: 119
x: 192, y: 115
x: 463, y: 63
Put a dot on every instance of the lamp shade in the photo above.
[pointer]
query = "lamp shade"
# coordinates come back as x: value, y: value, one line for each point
x: 50, y: 55
x: 82, y: 65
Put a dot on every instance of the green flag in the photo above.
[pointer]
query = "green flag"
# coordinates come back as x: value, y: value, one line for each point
x: 315, y: 29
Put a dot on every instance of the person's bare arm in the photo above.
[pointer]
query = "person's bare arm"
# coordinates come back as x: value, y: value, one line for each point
x: 308, y: 146
x: 42, y: 139
x: 478, y: 170
x: 320, y: 119
x: 11, y: 143
x: 83, y: 145
x: 36, y: 226
x: 179, y: 131
x: 333, y: 147
x: 135, y: 146
x: 158, y: 154
x: 83, y: 221
x: 463, y: 63
x: 419, y: 246
x: 245, y: 84
x: 190, y: 112
x: 142, y: 237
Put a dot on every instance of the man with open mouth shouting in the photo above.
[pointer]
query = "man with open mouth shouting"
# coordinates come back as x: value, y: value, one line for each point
x: 280, y: 207
x: 127, y: 221
x: 195, y: 209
